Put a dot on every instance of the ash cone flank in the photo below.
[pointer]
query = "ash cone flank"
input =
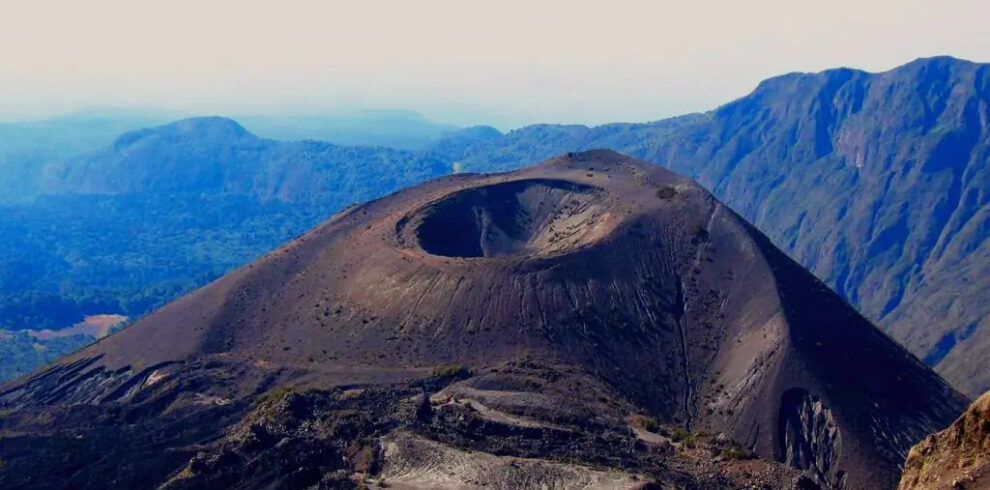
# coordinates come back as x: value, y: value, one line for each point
x: 581, y: 293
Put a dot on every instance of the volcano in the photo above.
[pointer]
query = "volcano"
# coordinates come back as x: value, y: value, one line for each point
x: 592, y: 321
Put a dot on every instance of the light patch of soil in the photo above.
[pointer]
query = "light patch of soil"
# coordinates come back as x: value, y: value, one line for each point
x: 93, y: 325
x: 489, y: 413
x: 414, y: 463
x: 650, y: 437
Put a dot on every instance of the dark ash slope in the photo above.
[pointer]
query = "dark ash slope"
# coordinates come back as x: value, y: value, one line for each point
x: 579, y: 294
x: 877, y: 182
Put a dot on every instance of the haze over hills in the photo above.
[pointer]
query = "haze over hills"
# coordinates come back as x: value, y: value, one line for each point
x: 401, y: 129
x: 878, y: 183
x: 599, y: 321
x: 875, y: 182
x: 161, y: 211
x: 27, y: 146
x: 218, y: 156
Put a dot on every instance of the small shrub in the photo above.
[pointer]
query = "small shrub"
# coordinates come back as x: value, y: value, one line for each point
x: 646, y: 423
x: 267, y: 405
x: 186, y: 472
x: 667, y: 193
x: 451, y: 371
x: 736, y: 453
x: 273, y: 395
x: 701, y: 235
x: 366, y: 459
x: 682, y: 436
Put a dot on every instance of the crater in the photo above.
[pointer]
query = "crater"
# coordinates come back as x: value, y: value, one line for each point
x: 522, y: 217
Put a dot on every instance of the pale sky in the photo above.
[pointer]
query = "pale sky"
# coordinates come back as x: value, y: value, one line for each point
x: 504, y: 62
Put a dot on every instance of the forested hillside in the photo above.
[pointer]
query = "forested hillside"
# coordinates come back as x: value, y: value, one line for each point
x: 164, y: 210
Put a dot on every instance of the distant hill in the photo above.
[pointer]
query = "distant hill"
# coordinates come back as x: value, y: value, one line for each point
x: 27, y: 146
x: 218, y: 156
x: 878, y: 183
x: 163, y: 210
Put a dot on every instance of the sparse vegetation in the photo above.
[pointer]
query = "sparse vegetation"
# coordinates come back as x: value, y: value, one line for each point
x: 273, y: 395
x: 366, y: 459
x: 667, y: 192
x: 648, y: 424
x: 736, y: 453
x: 186, y: 473
x: 266, y: 405
x: 451, y: 371
x: 701, y: 235
x: 683, y: 436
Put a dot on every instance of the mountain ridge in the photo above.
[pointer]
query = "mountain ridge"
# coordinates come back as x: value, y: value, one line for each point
x: 218, y: 155
x: 874, y: 181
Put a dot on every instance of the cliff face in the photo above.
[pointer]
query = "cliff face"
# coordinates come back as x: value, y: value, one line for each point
x: 955, y: 459
x: 593, y: 310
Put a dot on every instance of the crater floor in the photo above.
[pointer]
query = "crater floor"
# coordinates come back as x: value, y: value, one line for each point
x: 520, y: 217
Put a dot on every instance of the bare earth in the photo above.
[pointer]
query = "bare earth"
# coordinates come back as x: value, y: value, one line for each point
x: 93, y: 325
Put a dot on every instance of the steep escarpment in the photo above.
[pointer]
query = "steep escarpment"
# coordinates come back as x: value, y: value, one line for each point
x: 956, y: 458
x: 591, y: 319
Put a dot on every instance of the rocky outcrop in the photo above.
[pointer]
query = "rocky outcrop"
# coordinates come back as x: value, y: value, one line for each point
x: 957, y: 458
x: 809, y: 436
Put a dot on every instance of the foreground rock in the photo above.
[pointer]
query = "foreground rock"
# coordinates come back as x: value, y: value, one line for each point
x: 955, y: 459
x: 593, y: 320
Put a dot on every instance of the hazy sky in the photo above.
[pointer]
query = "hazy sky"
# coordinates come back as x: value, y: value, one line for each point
x: 506, y: 62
